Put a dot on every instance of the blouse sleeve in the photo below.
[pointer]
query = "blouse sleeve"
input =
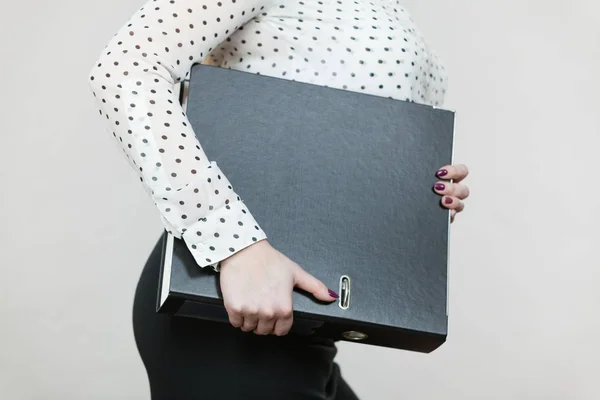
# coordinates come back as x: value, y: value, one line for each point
x: 133, y: 84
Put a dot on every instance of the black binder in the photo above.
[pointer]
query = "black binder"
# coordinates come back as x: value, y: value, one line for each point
x: 341, y: 182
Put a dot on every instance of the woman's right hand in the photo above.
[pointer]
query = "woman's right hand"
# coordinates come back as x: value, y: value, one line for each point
x: 257, y: 285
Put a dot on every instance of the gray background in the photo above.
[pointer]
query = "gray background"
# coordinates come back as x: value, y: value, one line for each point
x: 524, y: 274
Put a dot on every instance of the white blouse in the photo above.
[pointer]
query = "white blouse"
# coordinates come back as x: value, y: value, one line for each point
x: 365, y: 46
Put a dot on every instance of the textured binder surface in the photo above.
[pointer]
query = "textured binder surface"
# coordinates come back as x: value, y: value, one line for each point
x: 341, y: 182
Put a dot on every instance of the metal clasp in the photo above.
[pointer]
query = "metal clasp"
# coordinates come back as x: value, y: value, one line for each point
x: 344, y: 292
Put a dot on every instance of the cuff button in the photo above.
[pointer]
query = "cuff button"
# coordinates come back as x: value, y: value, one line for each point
x: 198, y: 247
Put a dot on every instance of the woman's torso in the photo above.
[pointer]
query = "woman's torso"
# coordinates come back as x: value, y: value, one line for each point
x: 365, y: 46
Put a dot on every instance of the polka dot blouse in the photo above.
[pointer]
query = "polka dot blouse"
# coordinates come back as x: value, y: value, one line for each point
x: 367, y: 46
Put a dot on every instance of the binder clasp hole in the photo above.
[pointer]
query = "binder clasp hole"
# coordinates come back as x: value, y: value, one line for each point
x: 344, y: 292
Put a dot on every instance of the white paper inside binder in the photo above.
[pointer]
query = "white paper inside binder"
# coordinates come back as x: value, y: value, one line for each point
x: 166, y: 277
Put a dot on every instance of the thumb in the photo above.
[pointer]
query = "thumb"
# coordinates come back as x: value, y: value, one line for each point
x: 306, y: 281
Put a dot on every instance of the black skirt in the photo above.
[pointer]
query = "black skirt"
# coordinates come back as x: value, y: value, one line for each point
x: 189, y: 359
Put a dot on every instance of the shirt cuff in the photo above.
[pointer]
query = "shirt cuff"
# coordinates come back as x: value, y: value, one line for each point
x: 222, y: 233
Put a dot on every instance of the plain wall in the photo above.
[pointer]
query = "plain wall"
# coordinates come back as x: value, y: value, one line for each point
x: 76, y: 226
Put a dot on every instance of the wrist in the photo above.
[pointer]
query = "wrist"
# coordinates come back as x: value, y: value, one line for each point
x: 260, y: 244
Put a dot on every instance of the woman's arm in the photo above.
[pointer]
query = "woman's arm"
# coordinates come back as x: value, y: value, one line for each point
x: 133, y: 83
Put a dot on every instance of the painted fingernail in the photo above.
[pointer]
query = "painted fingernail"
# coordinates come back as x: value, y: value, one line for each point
x: 333, y: 294
x: 440, y: 186
x: 442, y: 172
x: 448, y: 200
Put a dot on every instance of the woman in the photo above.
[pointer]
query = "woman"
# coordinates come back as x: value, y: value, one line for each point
x: 360, y: 45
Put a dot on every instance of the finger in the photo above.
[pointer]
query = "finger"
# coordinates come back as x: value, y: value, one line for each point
x: 452, y: 215
x: 236, y: 317
x: 456, y: 172
x: 452, y: 189
x: 283, y: 325
x: 236, y: 320
x: 250, y: 323
x: 306, y: 281
x: 284, y: 317
x: 265, y: 326
x: 453, y: 203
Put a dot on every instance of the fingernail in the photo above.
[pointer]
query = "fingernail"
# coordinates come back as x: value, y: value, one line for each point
x: 448, y: 200
x: 333, y: 294
x: 442, y: 172
x: 440, y: 186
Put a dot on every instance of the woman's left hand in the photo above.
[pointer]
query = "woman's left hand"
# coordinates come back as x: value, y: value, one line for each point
x: 453, y: 193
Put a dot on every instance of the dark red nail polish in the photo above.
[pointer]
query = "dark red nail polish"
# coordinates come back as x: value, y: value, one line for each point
x: 440, y: 186
x: 333, y: 294
x: 442, y: 172
x: 448, y: 200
